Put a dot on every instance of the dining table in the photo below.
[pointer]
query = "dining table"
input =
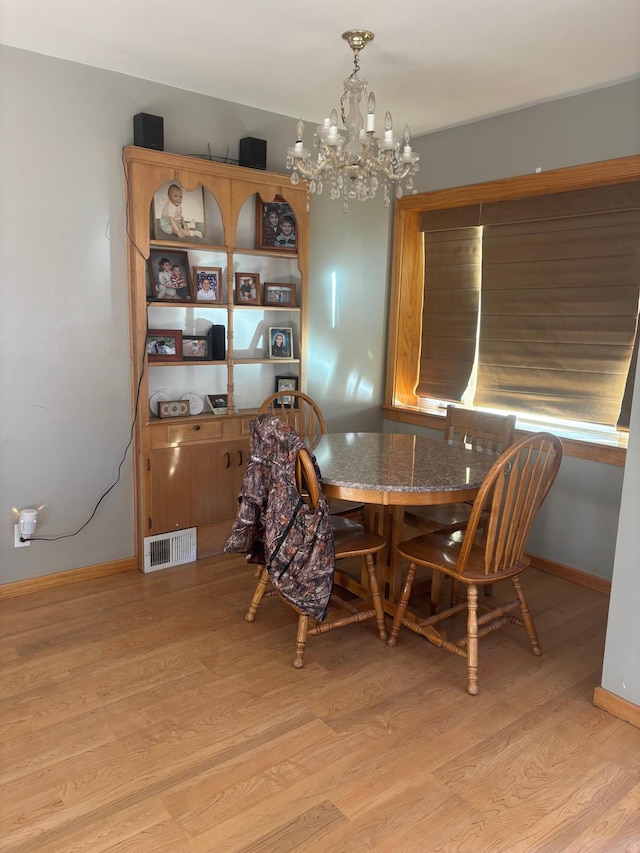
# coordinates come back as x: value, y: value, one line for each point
x: 390, y: 471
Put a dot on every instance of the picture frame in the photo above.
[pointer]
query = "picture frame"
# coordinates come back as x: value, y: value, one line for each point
x: 280, y: 342
x: 279, y: 295
x: 276, y: 226
x: 164, y: 345
x: 178, y: 214
x: 218, y: 403
x: 196, y: 347
x: 169, y: 275
x: 247, y: 288
x: 287, y: 383
x: 207, y: 285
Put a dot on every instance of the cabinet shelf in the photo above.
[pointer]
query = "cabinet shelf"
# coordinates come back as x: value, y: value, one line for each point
x: 173, y: 245
x: 266, y: 253
x: 266, y: 361
x: 194, y: 363
x: 267, y: 308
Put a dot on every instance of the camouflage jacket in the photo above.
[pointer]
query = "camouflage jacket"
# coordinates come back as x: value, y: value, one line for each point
x: 276, y: 526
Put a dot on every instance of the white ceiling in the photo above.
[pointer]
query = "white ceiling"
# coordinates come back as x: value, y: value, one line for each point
x: 433, y: 63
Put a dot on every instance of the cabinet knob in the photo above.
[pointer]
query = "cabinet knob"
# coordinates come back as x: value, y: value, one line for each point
x: 239, y: 458
x: 197, y: 427
x: 227, y: 459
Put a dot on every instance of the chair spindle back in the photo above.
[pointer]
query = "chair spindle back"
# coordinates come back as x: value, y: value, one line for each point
x: 512, y: 492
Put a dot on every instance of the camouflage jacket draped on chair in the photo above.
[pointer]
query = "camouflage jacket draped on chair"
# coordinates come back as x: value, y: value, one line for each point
x: 274, y: 520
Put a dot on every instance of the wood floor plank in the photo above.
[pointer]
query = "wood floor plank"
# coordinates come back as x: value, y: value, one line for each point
x: 616, y: 831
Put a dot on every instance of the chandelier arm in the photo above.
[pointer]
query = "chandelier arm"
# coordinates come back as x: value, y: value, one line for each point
x: 392, y: 176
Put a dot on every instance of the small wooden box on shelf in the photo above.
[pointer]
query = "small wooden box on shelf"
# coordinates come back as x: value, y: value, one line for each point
x: 188, y: 469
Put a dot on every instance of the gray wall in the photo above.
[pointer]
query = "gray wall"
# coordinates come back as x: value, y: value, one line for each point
x: 578, y: 524
x: 621, y: 672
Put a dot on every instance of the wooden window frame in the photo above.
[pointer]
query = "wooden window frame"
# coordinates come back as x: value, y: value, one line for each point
x: 407, y: 277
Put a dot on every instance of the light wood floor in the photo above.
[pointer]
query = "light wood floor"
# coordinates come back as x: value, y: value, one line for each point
x: 142, y: 713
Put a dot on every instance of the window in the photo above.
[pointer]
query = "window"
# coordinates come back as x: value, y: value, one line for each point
x: 531, y: 283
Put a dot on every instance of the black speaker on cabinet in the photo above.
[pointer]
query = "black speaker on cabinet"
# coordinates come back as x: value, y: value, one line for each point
x: 218, y: 349
x: 253, y: 153
x: 148, y: 131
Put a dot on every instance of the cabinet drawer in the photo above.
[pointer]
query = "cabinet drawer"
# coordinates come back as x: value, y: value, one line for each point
x: 172, y: 434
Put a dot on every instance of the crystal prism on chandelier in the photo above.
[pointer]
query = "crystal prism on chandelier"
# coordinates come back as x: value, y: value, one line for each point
x: 347, y: 162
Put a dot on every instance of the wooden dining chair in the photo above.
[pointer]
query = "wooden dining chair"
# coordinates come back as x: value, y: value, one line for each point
x: 512, y: 493
x: 307, y: 420
x: 483, y: 430
x: 350, y: 540
x: 304, y: 415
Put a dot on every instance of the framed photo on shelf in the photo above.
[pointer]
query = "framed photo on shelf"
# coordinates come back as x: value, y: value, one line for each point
x: 169, y: 275
x: 284, y: 384
x: 275, y: 226
x: 280, y: 294
x: 207, y: 284
x: 280, y: 342
x: 164, y: 345
x: 178, y: 214
x: 247, y: 288
x: 196, y: 347
x: 217, y: 403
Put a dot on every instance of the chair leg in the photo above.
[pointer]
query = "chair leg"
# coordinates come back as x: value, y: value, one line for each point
x: 258, y: 595
x: 301, y: 640
x: 527, y: 618
x: 402, y: 604
x: 375, y: 595
x: 472, y: 639
x: 436, y: 590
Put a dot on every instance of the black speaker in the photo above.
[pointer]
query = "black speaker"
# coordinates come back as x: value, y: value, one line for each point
x: 218, y: 350
x: 148, y: 131
x: 253, y: 153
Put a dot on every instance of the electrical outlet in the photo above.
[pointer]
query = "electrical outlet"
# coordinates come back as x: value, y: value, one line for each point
x: 16, y: 538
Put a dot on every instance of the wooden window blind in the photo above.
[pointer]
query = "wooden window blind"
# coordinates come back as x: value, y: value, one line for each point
x: 450, y: 312
x: 558, y: 288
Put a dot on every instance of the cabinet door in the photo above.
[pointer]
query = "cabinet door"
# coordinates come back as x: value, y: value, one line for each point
x: 196, y: 484
x: 234, y: 464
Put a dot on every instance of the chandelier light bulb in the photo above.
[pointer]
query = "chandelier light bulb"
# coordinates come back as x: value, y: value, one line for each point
x: 371, y: 113
x: 354, y: 163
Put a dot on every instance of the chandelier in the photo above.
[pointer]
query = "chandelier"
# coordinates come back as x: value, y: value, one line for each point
x: 349, y: 162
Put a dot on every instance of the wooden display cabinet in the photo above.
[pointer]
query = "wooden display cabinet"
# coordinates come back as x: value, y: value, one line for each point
x: 188, y: 470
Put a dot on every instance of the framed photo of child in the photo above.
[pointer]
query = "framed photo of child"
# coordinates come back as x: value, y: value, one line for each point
x: 196, y: 348
x: 280, y: 342
x: 275, y: 226
x: 247, y: 288
x: 207, y: 284
x: 169, y: 276
x: 178, y: 214
x: 164, y: 345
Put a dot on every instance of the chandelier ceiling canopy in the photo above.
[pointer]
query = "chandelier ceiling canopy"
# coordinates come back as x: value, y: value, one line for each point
x: 354, y: 162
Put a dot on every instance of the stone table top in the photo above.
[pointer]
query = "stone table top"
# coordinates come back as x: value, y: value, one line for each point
x: 400, y: 468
